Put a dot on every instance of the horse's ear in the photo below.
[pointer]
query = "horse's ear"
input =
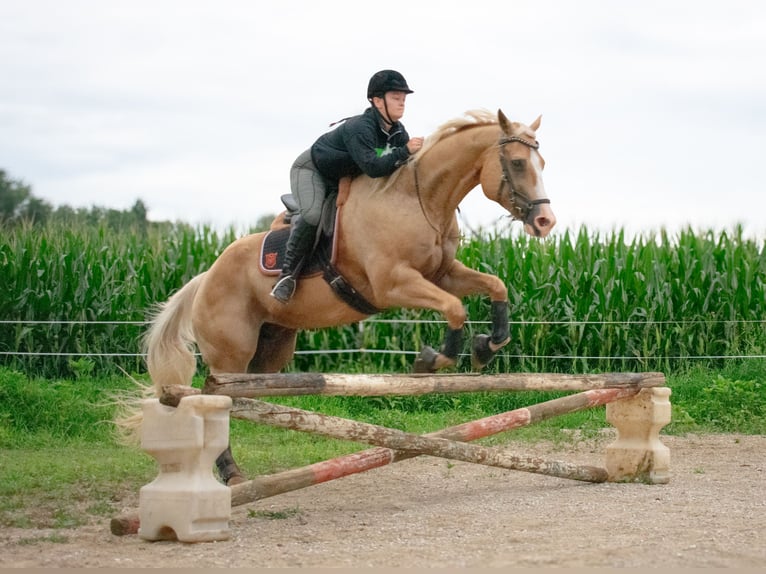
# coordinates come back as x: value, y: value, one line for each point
x: 505, y: 123
x: 535, y: 125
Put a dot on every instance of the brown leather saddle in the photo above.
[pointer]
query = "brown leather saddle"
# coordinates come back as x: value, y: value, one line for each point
x: 323, y: 257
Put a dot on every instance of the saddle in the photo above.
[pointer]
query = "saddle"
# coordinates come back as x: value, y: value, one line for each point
x: 322, y: 258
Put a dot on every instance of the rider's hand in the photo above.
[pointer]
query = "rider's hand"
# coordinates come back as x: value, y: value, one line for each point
x: 414, y: 144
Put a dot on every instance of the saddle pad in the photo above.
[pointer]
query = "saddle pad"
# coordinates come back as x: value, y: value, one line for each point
x: 273, y: 254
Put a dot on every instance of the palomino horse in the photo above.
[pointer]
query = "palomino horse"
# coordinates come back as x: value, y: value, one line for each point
x: 397, y: 243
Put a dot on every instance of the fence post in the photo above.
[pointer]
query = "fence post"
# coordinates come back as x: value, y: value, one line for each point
x: 638, y: 455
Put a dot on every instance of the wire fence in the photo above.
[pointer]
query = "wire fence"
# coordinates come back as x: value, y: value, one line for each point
x: 373, y: 351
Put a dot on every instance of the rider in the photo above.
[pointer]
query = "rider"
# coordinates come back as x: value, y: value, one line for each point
x: 374, y: 143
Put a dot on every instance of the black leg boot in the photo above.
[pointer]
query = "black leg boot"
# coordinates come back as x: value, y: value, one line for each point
x: 299, y: 247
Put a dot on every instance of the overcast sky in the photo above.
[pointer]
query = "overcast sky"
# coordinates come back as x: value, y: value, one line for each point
x: 654, y: 112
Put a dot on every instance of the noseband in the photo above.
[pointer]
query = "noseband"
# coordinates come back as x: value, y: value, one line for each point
x: 519, y: 201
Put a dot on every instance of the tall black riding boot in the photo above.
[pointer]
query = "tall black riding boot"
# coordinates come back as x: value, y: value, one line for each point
x: 299, y: 247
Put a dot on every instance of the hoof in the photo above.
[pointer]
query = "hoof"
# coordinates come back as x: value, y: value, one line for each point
x: 481, y: 353
x: 426, y: 361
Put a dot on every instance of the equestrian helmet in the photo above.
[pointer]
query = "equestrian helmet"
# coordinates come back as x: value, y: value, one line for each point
x: 386, y: 81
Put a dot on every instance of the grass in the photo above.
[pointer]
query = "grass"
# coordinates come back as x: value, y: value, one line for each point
x: 66, y: 486
x: 62, y: 466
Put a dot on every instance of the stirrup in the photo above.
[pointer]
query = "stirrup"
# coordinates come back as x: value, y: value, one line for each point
x: 284, y: 289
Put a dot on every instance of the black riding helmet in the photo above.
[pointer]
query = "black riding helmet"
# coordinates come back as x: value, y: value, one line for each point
x: 387, y: 81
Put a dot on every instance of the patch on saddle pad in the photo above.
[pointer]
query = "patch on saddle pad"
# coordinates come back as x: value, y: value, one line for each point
x: 321, y: 261
x: 275, y: 242
x: 273, y: 253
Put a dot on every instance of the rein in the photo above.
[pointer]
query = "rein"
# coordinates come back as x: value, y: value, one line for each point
x: 420, y: 199
x: 521, y: 202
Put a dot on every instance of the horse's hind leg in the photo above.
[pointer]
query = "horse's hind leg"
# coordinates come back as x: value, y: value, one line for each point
x: 228, y: 468
x: 276, y: 346
x: 227, y: 351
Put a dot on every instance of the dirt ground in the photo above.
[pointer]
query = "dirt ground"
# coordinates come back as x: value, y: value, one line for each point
x: 429, y: 512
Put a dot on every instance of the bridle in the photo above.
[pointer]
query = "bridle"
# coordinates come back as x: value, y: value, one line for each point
x: 519, y: 201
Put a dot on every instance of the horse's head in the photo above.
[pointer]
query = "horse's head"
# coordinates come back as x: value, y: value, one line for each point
x: 519, y: 169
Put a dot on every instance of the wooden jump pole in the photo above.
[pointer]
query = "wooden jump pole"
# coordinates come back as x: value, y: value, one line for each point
x: 271, y: 485
x: 266, y: 486
x: 356, y: 431
x: 293, y: 384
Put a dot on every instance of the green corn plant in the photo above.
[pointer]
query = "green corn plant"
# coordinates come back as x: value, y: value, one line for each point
x: 579, y: 301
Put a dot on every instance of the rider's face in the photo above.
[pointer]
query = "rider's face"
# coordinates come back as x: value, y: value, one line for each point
x: 392, y: 106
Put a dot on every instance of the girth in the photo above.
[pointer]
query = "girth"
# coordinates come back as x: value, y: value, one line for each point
x: 320, y: 261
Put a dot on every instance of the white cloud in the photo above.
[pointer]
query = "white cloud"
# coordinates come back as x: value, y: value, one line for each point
x: 652, y: 111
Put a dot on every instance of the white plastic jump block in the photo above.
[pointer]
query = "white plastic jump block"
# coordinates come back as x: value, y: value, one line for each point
x: 638, y: 455
x: 185, y: 502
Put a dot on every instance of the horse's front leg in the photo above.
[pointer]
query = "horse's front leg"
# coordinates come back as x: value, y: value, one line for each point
x: 406, y: 287
x: 484, y: 347
x: 463, y: 281
x: 430, y: 361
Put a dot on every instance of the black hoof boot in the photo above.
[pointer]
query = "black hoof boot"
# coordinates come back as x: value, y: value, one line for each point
x: 481, y: 354
x: 426, y: 361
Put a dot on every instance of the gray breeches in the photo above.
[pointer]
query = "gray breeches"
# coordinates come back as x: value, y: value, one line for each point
x: 308, y: 187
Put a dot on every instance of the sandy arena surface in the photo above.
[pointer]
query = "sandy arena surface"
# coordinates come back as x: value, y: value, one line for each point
x: 429, y: 512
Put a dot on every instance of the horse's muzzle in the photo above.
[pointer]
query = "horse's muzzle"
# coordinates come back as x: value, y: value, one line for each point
x: 540, y: 220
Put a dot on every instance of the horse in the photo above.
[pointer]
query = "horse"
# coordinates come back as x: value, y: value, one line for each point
x: 395, y: 247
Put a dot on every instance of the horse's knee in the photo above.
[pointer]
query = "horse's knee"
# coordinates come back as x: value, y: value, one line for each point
x: 497, y: 290
x: 455, y: 314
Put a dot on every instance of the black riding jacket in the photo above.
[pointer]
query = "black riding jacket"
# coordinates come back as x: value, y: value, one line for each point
x: 359, y: 145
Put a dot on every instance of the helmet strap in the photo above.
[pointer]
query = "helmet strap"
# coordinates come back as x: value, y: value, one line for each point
x: 388, y: 116
x: 385, y: 116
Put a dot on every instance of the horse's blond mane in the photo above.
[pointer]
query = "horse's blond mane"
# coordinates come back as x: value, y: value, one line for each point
x: 471, y: 118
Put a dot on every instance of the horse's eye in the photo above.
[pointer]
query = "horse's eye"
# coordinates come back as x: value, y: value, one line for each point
x: 518, y: 164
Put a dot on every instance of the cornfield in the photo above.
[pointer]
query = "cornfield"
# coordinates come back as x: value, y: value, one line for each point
x: 579, y: 301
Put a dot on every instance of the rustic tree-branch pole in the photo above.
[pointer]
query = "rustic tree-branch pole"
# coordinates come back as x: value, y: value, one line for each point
x: 270, y: 485
x: 346, y: 429
x: 267, y: 486
x: 293, y: 384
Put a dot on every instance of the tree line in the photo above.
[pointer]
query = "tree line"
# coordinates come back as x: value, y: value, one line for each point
x: 19, y: 205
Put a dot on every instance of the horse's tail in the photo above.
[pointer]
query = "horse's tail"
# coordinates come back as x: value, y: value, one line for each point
x: 170, y: 360
x: 169, y: 342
